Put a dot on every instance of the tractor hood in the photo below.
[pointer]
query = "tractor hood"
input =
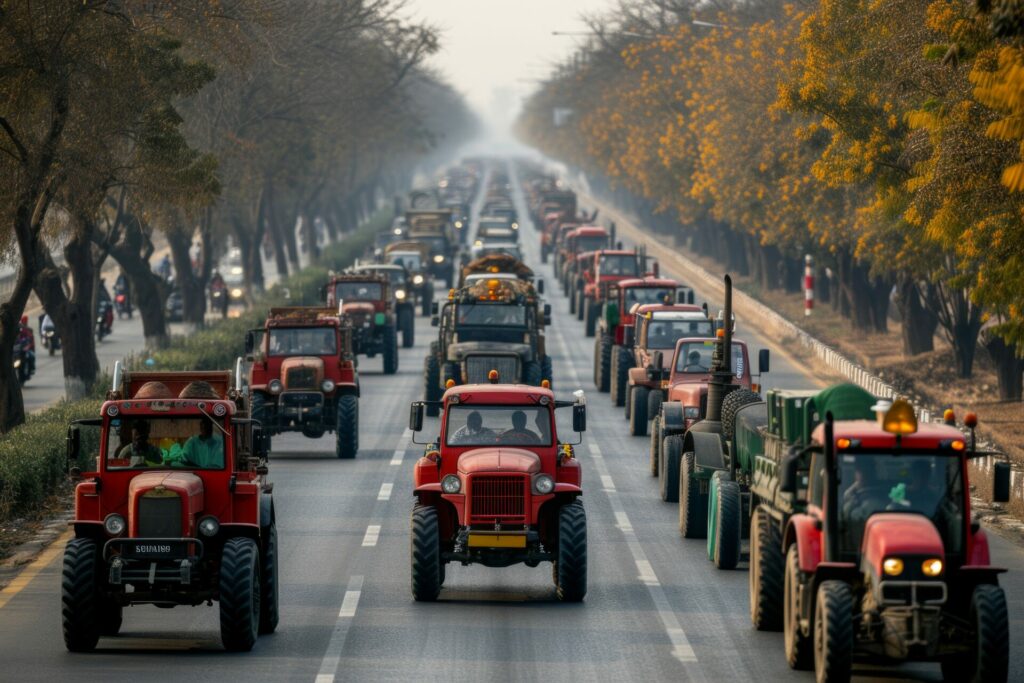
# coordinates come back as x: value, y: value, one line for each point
x: 186, y: 487
x: 302, y: 372
x: 898, y: 534
x: 499, y: 460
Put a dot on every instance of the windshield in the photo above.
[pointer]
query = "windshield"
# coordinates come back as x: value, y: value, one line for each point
x: 394, y: 276
x: 649, y: 295
x: 489, y: 425
x: 617, y: 264
x: 695, y: 358
x: 663, y: 334
x: 303, y: 341
x: 358, y: 291
x: 591, y: 243
x: 511, y: 250
x: 161, y: 442
x: 411, y: 260
x: 880, y: 482
x: 504, y: 315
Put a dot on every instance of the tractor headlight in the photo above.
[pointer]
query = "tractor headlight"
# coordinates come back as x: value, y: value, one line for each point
x: 543, y: 484
x: 451, y: 483
x: 932, y: 567
x: 892, y: 566
x: 327, y: 385
x: 438, y: 258
x: 515, y: 226
x: 691, y: 412
x: 458, y: 224
x: 400, y: 294
x: 209, y: 526
x: 274, y: 386
x: 417, y: 279
x: 114, y: 524
x: 236, y: 293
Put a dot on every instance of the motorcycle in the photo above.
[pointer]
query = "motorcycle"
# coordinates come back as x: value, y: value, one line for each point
x: 24, y: 359
x: 51, y: 340
x: 219, y: 300
x: 124, y: 307
x: 104, y: 320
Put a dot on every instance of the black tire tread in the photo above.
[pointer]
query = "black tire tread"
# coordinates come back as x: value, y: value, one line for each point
x: 425, y: 554
x: 347, y: 427
x: 693, y: 507
x: 239, y: 594
x: 572, y: 553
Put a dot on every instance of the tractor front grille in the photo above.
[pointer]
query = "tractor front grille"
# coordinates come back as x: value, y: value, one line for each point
x: 478, y: 367
x: 160, y: 516
x: 497, y: 499
x: 300, y: 378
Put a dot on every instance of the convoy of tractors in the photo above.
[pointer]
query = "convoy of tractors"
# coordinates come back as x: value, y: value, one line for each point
x: 852, y: 518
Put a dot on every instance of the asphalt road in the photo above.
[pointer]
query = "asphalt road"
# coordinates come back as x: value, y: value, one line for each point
x: 656, y: 609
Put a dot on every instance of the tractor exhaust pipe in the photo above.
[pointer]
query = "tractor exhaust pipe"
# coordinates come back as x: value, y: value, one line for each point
x: 721, y: 371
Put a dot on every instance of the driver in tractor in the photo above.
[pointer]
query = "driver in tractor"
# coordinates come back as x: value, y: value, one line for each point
x: 473, y: 429
x: 695, y: 363
x: 204, y: 450
x: 864, y: 496
x: 140, y: 452
x: 519, y: 434
x: 659, y: 335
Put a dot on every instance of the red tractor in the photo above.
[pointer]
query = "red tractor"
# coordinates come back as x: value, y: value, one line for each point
x: 576, y: 242
x: 498, y: 488
x: 616, y: 316
x: 302, y: 376
x: 596, y: 272
x: 173, y: 508
x: 654, y: 334
x: 686, y: 401
x: 884, y: 561
x: 367, y: 302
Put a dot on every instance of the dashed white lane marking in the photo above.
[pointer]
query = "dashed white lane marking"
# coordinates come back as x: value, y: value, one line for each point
x: 385, y: 491
x: 372, y: 534
x: 681, y: 648
x: 329, y: 664
x: 399, y: 454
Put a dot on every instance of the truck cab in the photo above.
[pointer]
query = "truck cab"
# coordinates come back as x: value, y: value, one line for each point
x: 434, y: 228
x: 415, y: 258
x: 497, y: 487
x: 403, y: 290
x: 172, y: 507
x: 302, y: 375
x: 366, y: 301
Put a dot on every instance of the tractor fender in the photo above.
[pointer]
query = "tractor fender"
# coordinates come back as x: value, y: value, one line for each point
x: 637, y: 376
x: 707, y: 451
x: 803, y: 530
x: 977, y: 554
x: 235, y: 529
x: 89, y: 529
x: 570, y: 489
x: 348, y: 390
x: 672, y: 420
x: 430, y: 488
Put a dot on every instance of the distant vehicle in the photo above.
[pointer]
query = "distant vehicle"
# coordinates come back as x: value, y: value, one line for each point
x: 174, y: 308
x: 497, y: 248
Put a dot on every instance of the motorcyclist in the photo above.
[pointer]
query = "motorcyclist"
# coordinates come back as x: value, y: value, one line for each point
x: 164, y: 267
x: 219, y: 293
x: 27, y: 342
x: 104, y: 311
x: 122, y: 296
x: 46, y: 325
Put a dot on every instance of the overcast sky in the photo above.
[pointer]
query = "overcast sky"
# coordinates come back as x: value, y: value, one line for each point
x: 492, y: 50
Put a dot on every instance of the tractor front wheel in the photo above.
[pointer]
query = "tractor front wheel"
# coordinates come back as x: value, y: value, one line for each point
x: 833, y: 632
x: 81, y: 599
x: 767, y: 571
x: 797, y: 644
x: 425, y: 554
x: 239, y: 594
x: 621, y: 364
x: 655, y: 445
x: 347, y: 427
x: 432, y: 381
x: 693, y: 506
x: 638, y: 410
x: 671, y: 455
x: 989, y: 656
x: 571, y: 565
x: 407, y: 324
x: 390, y: 350
x: 728, y: 525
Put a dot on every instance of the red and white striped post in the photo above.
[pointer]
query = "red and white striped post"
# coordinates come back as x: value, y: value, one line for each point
x: 808, y: 284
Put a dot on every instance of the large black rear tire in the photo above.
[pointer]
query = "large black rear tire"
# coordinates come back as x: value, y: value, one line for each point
x: 590, y: 312
x: 425, y: 554
x: 989, y: 657
x: 728, y: 523
x: 693, y: 506
x: 620, y: 374
x: 799, y: 646
x: 655, y: 449
x: 604, y: 363
x: 81, y: 599
x: 347, y: 427
x: 767, y: 573
x: 571, y: 565
x: 731, y: 405
x: 239, y: 594
x: 654, y: 401
x: 638, y: 410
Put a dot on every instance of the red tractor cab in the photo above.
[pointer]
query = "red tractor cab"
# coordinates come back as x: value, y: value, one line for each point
x: 686, y: 400
x: 497, y: 487
x: 598, y: 272
x: 647, y: 350
x: 302, y: 376
x: 172, y: 507
x: 885, y: 562
x: 586, y: 238
x: 366, y: 300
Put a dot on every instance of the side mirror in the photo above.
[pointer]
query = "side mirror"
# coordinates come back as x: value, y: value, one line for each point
x: 1001, y: 482
x: 416, y: 416
x: 579, y: 418
x: 789, y: 475
x: 74, y: 444
x: 540, y: 285
x: 250, y: 342
x: 763, y: 358
x: 434, y: 308
x: 658, y: 359
x: 435, y: 320
x: 547, y: 314
x: 629, y: 336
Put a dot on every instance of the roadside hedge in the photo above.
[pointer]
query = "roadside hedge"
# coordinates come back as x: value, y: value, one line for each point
x: 32, y: 456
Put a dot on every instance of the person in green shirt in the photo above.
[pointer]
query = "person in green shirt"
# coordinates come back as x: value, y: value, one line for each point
x: 140, y: 452
x: 205, y: 450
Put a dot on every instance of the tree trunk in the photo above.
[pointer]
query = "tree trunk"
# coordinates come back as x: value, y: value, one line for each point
x: 822, y: 287
x: 961, y: 320
x: 193, y: 297
x: 1009, y: 366
x: 12, y: 405
x: 771, y: 260
x: 73, y: 316
x: 918, y: 322
x: 276, y: 233
x: 310, y: 234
